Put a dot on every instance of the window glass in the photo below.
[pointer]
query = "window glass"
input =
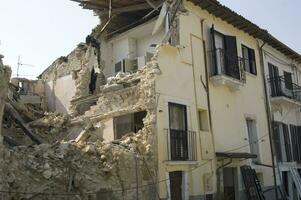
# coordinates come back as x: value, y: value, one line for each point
x: 177, y: 116
x: 245, y: 56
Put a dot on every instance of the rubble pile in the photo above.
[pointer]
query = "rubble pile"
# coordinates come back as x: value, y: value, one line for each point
x: 70, y: 168
x: 52, y: 127
x: 87, y: 167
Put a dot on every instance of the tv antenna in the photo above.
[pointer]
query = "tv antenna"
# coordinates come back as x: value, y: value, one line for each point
x: 22, y: 64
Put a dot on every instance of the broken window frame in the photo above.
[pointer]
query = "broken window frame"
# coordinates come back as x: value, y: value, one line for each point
x: 134, y: 124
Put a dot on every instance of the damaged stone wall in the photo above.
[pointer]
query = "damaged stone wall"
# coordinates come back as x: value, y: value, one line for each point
x: 5, y: 73
x: 88, y: 167
x: 77, y: 70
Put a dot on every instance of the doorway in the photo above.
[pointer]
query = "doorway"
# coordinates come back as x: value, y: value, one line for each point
x: 176, y: 181
x: 230, y: 183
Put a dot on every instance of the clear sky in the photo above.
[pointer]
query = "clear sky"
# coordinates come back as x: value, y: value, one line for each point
x: 42, y: 30
x: 282, y: 18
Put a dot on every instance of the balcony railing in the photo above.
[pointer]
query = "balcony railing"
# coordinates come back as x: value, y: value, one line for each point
x: 280, y: 87
x: 229, y: 64
x: 181, y: 145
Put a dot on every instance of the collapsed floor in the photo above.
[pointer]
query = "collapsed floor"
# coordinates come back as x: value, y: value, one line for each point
x: 63, y: 157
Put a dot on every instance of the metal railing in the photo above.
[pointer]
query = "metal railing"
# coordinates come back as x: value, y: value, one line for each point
x: 181, y: 145
x: 225, y: 63
x: 279, y: 86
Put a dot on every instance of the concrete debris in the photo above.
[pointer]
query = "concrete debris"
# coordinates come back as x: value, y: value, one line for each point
x: 74, y: 161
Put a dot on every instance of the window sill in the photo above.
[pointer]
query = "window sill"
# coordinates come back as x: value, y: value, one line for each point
x: 250, y: 74
x: 176, y: 162
x: 232, y: 83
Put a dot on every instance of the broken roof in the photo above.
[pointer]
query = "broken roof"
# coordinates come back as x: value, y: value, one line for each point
x: 212, y: 6
x: 118, y: 6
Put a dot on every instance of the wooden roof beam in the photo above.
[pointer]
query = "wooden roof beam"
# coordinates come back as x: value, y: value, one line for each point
x: 137, y: 7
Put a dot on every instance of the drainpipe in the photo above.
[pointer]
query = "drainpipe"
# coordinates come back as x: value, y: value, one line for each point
x: 207, y: 78
x: 269, y: 116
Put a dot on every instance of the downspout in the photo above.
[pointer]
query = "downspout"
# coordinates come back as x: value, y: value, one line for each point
x: 206, y: 76
x: 269, y: 117
x: 208, y: 97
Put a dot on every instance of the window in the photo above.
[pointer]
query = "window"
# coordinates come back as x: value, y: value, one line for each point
x: 178, y: 132
x: 203, y: 120
x: 253, y: 138
x: 177, y: 117
x: 225, y: 55
x: 248, y: 56
x: 130, y: 123
x: 288, y: 80
x: 126, y: 65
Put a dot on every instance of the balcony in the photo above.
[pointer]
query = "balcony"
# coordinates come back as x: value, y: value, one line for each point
x: 284, y: 92
x: 228, y: 69
x: 181, y: 145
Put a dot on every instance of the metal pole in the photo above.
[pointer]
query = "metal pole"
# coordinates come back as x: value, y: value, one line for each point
x: 137, y: 188
x: 18, y: 67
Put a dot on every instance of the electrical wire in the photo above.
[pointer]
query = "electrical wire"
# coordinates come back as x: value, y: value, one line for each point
x: 276, y: 59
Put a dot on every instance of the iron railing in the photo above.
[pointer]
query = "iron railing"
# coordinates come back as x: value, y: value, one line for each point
x: 225, y: 63
x: 181, y: 145
x: 279, y: 86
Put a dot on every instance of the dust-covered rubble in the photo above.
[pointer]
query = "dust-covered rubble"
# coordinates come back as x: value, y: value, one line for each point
x: 87, y: 166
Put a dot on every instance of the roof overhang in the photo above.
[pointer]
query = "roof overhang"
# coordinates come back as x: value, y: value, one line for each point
x: 238, y: 155
x: 238, y: 21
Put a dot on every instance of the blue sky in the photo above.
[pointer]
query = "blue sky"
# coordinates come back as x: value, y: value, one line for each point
x: 42, y: 30
x: 282, y: 18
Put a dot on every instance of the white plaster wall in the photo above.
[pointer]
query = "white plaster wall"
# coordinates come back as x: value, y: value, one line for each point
x: 49, y: 93
x: 182, y: 78
x: 59, y: 93
x: 64, y: 91
x: 131, y: 44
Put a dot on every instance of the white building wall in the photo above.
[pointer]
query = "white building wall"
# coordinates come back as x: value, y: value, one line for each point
x: 131, y: 44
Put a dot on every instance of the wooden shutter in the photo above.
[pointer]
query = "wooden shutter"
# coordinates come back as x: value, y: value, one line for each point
x: 252, y: 61
x: 214, y: 68
x: 294, y: 142
x: 287, y: 142
x: 277, y: 141
x: 288, y: 80
x: 299, y: 143
x: 274, y: 79
x: 232, y: 67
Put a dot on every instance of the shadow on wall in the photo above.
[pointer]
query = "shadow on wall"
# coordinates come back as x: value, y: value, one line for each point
x: 54, y: 103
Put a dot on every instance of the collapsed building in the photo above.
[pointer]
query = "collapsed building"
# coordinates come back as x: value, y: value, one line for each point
x: 151, y: 106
